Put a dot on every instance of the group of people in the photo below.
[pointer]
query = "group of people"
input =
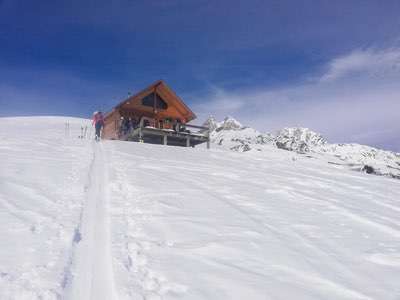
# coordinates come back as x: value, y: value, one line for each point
x: 129, y: 123
x: 179, y: 126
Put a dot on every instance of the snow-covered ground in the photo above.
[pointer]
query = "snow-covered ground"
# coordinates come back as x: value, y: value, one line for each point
x: 124, y: 220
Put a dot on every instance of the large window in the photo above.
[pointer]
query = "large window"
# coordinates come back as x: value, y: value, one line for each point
x: 149, y: 101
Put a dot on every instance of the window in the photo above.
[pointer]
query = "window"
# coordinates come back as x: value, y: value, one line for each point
x: 149, y: 101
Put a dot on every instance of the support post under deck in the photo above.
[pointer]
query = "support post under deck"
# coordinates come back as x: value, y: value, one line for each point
x: 165, y: 141
x: 188, y: 141
x: 140, y: 135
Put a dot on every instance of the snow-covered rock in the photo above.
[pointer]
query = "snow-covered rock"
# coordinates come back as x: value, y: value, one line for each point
x: 233, y: 135
x: 230, y: 123
x: 211, y: 123
x: 364, y: 158
x: 298, y: 139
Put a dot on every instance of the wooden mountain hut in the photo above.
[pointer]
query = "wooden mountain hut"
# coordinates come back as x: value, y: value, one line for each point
x: 154, y: 115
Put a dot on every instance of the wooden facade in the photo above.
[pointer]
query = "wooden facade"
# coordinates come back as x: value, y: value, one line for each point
x: 153, y: 114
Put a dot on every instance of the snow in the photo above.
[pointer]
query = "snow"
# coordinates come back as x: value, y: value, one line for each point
x: 301, y: 140
x: 125, y: 220
x: 305, y: 141
x: 91, y: 269
x: 384, y: 162
x: 42, y: 179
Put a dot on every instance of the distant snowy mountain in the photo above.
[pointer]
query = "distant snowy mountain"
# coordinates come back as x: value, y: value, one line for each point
x: 301, y: 140
x: 212, y: 124
x: 233, y: 135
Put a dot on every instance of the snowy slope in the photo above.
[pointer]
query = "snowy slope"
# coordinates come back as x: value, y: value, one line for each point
x: 122, y: 220
x: 305, y: 141
x: 42, y: 191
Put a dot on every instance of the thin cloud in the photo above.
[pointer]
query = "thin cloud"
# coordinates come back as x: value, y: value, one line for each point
x: 370, y: 62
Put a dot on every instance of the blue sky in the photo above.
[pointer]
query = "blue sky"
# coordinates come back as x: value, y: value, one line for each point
x: 332, y: 66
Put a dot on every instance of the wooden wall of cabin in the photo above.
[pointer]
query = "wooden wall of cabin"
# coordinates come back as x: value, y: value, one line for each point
x: 111, y: 125
x: 175, y: 110
x: 137, y: 110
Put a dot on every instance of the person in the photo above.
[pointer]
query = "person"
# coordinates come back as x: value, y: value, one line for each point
x: 98, y: 122
x: 146, y: 122
x: 125, y: 125
x: 134, y: 123
x: 177, y: 125
x: 120, y: 127
x: 182, y: 127
x: 129, y: 125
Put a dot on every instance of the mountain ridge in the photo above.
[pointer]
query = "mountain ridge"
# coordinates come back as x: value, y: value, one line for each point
x: 231, y: 134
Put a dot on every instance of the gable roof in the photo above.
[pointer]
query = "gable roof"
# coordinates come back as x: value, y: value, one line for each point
x: 166, y: 93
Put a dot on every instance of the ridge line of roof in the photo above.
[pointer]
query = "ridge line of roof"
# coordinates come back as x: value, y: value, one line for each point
x: 153, y: 85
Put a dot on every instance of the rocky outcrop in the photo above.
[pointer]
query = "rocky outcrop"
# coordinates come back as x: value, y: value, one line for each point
x: 301, y: 140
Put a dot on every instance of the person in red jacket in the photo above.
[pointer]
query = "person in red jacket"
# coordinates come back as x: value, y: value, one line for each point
x: 98, y: 122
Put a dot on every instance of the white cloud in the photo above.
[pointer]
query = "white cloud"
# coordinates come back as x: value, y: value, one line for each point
x: 358, y: 108
x: 369, y: 62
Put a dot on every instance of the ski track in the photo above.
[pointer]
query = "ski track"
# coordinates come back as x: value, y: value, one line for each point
x: 155, y: 222
x: 91, y: 274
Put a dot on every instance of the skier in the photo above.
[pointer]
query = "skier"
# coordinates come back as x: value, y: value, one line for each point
x: 98, y: 122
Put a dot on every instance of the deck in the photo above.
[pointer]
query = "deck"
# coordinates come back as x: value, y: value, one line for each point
x: 169, y: 137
